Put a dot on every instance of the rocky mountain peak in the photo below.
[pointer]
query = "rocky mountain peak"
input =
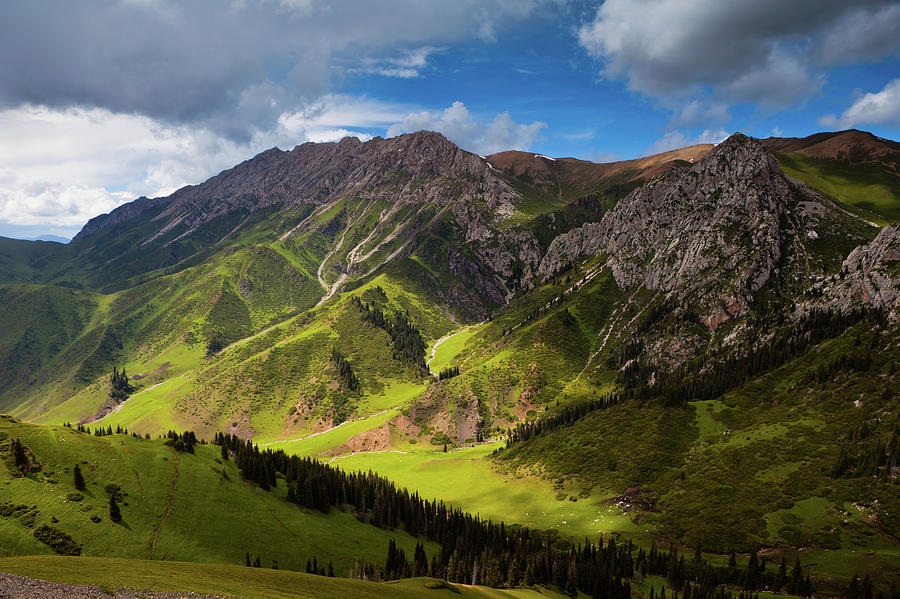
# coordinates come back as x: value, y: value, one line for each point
x: 708, y: 235
x: 398, y: 169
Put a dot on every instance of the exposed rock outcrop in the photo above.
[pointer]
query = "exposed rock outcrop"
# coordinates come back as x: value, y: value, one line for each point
x: 869, y: 276
x: 710, y: 233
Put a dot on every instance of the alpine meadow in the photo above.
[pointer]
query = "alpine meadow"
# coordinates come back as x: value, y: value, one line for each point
x: 415, y: 358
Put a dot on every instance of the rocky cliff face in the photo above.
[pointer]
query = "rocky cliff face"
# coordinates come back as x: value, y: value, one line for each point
x: 711, y: 234
x: 394, y: 192
x: 399, y: 169
x: 870, y: 276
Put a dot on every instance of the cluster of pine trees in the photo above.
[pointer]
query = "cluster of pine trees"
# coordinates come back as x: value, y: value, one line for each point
x: 569, y: 414
x: 313, y: 567
x: 183, y: 442
x: 476, y: 551
x: 345, y: 370
x: 409, y: 345
x: 700, y: 380
x: 448, y: 373
x: 120, y: 385
x: 869, y: 456
x: 855, y: 362
x: 19, y: 458
x: 102, y: 432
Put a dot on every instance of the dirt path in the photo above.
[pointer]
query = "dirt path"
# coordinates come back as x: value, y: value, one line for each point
x: 328, y: 430
x: 446, y: 337
x: 138, y: 478
x: 251, y: 337
x: 129, y: 398
x: 168, y: 507
x: 276, y: 518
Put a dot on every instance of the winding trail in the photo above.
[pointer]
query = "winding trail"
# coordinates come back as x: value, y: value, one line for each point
x: 446, y: 337
x: 168, y: 507
x: 130, y: 397
x: 251, y: 337
x: 276, y: 518
x: 328, y: 430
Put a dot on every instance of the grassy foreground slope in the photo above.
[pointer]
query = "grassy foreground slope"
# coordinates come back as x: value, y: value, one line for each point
x: 238, y: 581
x: 175, y: 506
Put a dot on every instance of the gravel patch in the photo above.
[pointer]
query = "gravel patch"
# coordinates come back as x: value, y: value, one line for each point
x: 21, y: 587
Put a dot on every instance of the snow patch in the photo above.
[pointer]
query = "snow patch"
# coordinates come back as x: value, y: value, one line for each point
x: 546, y: 157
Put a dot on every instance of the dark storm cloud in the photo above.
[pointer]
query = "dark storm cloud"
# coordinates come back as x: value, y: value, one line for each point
x: 764, y: 51
x: 231, y: 65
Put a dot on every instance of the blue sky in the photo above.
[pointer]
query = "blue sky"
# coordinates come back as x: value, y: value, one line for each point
x: 113, y: 100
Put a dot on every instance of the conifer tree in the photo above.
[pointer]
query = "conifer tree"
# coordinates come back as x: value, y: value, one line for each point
x: 19, y: 458
x: 79, y: 479
x: 114, y: 514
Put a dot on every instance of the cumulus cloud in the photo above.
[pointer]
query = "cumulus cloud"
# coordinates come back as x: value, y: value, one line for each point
x: 674, y: 140
x: 230, y: 67
x: 458, y: 125
x: 62, y: 167
x: 764, y: 51
x: 873, y: 108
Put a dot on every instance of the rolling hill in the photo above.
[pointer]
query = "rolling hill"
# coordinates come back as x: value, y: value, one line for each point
x: 696, y: 349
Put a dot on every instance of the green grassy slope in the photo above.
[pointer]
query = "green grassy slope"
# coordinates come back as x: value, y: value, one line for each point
x: 756, y: 467
x: 248, y: 583
x: 867, y: 187
x: 175, y: 506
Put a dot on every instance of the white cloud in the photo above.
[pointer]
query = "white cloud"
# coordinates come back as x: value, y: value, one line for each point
x: 336, y: 111
x: 674, y: 140
x: 458, y: 125
x: 407, y: 65
x: 880, y: 107
x: 777, y: 132
x: 62, y: 167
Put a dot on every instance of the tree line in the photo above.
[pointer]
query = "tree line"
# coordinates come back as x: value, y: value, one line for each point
x: 448, y: 373
x: 524, y: 431
x: 409, y: 345
x: 120, y: 385
x: 878, y: 456
x: 700, y: 380
x: 477, y: 551
x: 346, y: 375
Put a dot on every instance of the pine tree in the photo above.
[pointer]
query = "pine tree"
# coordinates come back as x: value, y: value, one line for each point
x: 114, y: 514
x: 853, y: 590
x: 79, y: 479
x: 19, y: 457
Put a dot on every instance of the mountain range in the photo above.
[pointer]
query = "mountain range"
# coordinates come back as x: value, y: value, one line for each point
x: 695, y: 350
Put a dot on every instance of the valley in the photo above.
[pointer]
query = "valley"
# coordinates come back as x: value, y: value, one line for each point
x: 694, y: 353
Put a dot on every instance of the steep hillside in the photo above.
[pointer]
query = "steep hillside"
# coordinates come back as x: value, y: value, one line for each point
x: 854, y: 167
x: 161, y: 492
x: 406, y: 306
x: 546, y: 181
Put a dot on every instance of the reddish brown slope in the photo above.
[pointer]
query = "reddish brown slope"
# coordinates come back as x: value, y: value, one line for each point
x: 844, y: 146
x: 571, y: 177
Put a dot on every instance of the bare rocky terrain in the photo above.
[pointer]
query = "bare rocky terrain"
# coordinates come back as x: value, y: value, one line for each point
x: 21, y: 587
